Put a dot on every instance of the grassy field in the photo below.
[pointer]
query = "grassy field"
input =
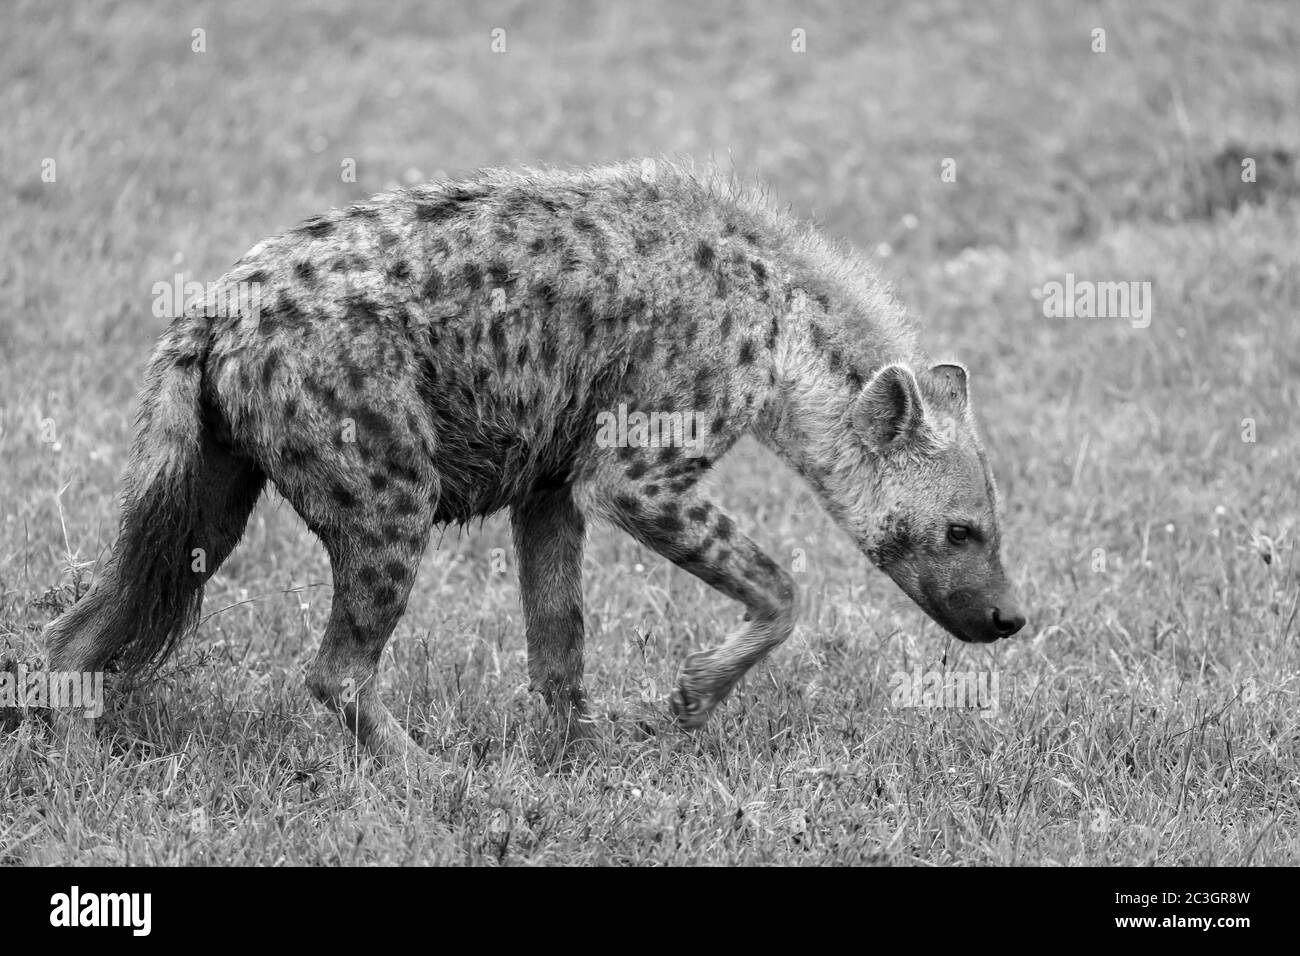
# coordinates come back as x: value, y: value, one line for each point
x: 1148, y: 714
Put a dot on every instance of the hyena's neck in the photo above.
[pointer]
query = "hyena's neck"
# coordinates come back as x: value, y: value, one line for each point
x: 820, y: 371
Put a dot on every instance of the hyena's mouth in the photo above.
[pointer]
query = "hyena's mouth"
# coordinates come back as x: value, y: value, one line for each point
x: 960, y: 633
x: 954, y: 626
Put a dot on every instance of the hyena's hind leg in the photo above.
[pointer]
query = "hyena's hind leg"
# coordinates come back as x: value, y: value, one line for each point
x: 660, y: 506
x: 348, y: 444
x: 373, y: 575
x: 548, y: 532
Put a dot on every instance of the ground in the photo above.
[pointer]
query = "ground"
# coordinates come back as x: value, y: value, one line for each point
x: 1148, y: 712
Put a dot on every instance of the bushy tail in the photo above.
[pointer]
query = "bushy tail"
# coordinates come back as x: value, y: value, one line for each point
x: 149, y: 594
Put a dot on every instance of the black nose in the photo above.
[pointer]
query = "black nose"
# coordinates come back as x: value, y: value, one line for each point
x: 1007, y: 623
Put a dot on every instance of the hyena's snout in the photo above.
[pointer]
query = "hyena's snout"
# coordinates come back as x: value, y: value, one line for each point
x: 982, y: 618
x: 1006, y: 620
x: 977, y: 615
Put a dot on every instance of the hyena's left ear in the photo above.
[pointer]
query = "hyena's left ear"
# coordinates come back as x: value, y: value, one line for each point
x: 945, y: 385
x: 888, y: 412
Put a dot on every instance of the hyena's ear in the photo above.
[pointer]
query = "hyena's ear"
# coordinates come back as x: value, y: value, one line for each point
x: 945, y: 384
x: 888, y: 412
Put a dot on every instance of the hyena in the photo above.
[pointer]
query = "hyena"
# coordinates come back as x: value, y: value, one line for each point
x: 442, y: 352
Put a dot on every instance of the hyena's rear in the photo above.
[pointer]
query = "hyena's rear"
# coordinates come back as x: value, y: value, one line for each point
x: 443, y: 352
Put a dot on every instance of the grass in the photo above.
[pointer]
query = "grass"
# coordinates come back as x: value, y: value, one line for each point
x: 1148, y: 714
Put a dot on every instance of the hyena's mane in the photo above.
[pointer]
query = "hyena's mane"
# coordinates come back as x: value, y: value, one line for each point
x: 858, y: 306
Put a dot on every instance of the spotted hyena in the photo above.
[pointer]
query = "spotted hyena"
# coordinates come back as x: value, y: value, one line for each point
x: 442, y: 352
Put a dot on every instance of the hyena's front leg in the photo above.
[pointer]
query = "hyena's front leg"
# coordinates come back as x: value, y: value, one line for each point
x: 548, y: 533
x: 667, y: 513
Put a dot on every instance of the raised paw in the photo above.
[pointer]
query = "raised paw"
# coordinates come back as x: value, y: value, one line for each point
x: 692, y: 701
x: 689, y: 711
x: 704, y: 682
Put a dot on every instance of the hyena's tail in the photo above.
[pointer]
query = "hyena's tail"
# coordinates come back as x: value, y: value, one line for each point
x: 186, y: 498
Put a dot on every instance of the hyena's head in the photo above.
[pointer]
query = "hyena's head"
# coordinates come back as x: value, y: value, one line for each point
x: 933, y: 523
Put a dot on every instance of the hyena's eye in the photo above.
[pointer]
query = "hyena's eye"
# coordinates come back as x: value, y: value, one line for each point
x: 957, y: 533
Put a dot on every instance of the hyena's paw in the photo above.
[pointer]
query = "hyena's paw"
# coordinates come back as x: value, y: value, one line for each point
x: 68, y: 731
x: 574, y: 741
x: 697, y: 691
x: 416, y: 774
x: 566, y: 714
